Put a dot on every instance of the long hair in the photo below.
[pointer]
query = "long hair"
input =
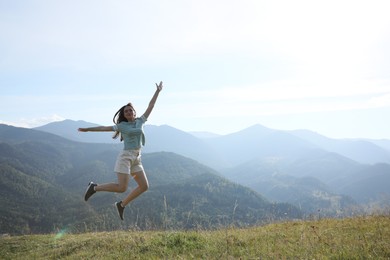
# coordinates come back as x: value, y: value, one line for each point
x: 120, y: 117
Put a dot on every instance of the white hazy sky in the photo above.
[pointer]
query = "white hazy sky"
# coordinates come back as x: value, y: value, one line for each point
x: 226, y: 65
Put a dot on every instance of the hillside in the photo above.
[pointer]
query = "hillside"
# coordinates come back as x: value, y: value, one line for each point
x: 158, y: 138
x: 68, y: 130
x: 292, y: 160
x: 45, y: 178
x: 354, y: 238
x: 169, y: 139
x: 278, y: 182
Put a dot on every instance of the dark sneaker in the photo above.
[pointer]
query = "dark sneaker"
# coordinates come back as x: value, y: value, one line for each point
x: 120, y: 209
x: 90, y: 190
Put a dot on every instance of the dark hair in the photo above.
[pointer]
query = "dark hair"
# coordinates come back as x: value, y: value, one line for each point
x: 120, y: 117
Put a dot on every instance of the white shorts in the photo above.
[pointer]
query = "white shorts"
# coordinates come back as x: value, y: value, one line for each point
x: 128, y: 161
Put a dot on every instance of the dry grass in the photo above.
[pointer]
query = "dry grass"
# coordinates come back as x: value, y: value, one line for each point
x: 353, y: 238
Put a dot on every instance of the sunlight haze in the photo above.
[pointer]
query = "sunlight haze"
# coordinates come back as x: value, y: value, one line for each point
x: 226, y: 65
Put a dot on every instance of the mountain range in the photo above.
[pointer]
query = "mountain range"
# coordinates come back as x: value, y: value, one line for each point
x: 197, y: 179
x: 212, y: 149
x: 43, y: 177
x: 274, y: 162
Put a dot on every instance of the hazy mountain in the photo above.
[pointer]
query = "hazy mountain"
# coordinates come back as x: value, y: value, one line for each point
x: 42, y: 181
x: 204, y: 135
x: 169, y: 139
x: 293, y: 155
x: 328, y: 167
x: 158, y: 138
x: 322, y: 180
x: 369, y: 184
x: 223, y: 151
x: 13, y: 134
x: 282, y: 181
x: 258, y: 142
x: 364, y: 151
x: 68, y: 129
x: 384, y: 143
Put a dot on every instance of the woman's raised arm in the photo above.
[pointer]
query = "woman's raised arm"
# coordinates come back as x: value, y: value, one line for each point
x: 153, y: 100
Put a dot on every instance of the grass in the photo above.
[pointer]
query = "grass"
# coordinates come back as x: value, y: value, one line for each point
x: 352, y: 238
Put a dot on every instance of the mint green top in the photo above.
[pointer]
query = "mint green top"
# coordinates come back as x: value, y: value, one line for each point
x: 132, y: 133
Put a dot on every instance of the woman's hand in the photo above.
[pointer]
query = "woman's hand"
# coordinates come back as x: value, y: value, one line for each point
x: 159, y: 86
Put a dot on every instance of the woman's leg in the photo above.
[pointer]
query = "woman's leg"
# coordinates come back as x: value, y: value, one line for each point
x: 121, y: 186
x: 143, y: 185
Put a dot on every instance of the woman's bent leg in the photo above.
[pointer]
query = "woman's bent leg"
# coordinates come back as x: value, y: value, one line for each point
x: 143, y: 185
x: 121, y: 186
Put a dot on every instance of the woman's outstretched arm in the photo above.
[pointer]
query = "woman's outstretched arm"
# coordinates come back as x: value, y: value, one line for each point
x: 153, y: 100
x: 97, y: 129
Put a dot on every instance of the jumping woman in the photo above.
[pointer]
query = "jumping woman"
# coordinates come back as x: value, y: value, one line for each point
x: 130, y: 130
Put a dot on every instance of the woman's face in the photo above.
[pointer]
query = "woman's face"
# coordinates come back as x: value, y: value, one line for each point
x: 129, y: 113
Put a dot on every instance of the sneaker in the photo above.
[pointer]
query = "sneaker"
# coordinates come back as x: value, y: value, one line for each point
x: 90, y: 190
x: 120, y: 209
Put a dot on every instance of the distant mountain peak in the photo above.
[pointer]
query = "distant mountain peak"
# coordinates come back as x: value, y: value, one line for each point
x: 203, y: 134
x: 256, y: 129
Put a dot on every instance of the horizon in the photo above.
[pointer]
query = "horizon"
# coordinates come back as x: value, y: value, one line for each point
x: 210, y: 132
x: 225, y: 65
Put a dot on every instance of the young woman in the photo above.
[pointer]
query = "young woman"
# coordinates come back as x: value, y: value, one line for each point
x: 130, y: 129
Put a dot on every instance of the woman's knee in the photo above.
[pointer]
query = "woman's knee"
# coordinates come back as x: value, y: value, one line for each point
x: 145, y: 187
x: 122, y: 188
x: 142, y: 181
x: 123, y: 180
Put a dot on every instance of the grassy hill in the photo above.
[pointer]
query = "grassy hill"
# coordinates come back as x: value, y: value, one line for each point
x: 353, y: 238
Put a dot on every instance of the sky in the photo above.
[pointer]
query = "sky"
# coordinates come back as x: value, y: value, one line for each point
x: 226, y: 65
